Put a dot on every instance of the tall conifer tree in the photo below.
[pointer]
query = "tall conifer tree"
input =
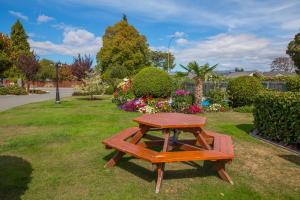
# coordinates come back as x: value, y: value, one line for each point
x: 18, y: 37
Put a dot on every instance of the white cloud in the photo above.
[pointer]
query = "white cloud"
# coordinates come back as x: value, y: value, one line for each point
x: 182, y: 41
x: 44, y: 18
x: 75, y: 41
x: 18, y: 14
x: 178, y: 34
x: 243, y: 50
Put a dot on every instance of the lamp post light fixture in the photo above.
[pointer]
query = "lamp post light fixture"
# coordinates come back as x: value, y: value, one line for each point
x: 57, y: 99
x: 171, y: 39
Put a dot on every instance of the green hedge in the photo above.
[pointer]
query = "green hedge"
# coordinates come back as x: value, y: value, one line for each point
x: 242, y: 90
x: 277, y: 116
x: 152, y: 81
x: 293, y: 84
x: 12, y: 90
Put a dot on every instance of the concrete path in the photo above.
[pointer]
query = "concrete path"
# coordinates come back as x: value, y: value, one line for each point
x: 10, y: 101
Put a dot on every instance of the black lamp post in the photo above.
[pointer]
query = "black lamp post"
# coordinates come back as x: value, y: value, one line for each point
x: 57, y: 99
x: 173, y: 37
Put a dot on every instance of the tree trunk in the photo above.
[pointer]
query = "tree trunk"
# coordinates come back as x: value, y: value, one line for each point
x: 198, y: 92
x: 28, y: 86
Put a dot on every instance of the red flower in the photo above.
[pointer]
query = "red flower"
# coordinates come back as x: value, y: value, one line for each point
x: 193, y: 109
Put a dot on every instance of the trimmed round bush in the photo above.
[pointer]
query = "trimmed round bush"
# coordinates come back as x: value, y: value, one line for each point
x: 242, y: 90
x: 152, y: 81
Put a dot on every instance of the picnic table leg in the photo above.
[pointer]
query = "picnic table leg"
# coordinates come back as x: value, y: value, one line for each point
x: 201, y: 140
x: 220, y: 167
x: 161, y: 166
x: 118, y: 155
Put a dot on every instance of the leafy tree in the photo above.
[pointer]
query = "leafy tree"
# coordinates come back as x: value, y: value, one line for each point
x: 18, y: 37
x: 293, y: 51
x: 282, y: 64
x: 239, y: 69
x: 93, y: 85
x: 65, y: 73
x: 123, y: 46
x: 47, y: 70
x: 200, y: 73
x: 29, y: 66
x: 163, y: 60
x: 6, y: 54
x: 81, y: 65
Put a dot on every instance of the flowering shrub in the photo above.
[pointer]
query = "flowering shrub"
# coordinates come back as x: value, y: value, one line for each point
x: 164, y: 106
x: 182, y: 101
x: 147, y: 109
x: 194, y: 109
x: 215, y: 107
x: 123, y: 92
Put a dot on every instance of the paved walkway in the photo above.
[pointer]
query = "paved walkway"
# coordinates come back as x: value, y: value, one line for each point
x: 10, y: 101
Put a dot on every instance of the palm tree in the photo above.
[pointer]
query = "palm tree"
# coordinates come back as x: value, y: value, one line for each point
x: 201, y: 73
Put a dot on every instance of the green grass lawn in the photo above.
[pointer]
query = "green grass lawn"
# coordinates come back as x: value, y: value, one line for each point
x: 50, y: 151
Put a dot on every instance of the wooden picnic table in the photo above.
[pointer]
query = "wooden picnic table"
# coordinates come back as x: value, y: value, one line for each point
x: 207, y: 145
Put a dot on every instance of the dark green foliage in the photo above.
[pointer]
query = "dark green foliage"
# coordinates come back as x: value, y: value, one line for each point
x: 293, y: 51
x: 216, y: 95
x: 277, y: 116
x: 5, y: 63
x: 242, y: 90
x: 244, y: 109
x: 119, y: 72
x: 152, y: 81
x: 12, y: 90
x: 163, y: 60
x: 293, y: 84
x: 19, y: 39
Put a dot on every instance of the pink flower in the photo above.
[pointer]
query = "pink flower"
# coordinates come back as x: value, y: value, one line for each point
x: 182, y: 92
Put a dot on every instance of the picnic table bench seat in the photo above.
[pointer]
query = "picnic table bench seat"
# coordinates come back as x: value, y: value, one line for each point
x: 222, y: 148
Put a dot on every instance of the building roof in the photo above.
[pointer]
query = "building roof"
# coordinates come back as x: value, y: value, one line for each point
x: 278, y: 73
x: 245, y: 73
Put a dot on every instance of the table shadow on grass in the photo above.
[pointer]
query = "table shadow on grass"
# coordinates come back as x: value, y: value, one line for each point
x: 15, y: 175
x: 148, y: 175
x: 292, y: 158
x: 245, y: 127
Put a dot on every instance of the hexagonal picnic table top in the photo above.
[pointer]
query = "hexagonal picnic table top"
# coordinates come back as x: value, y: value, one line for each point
x: 171, y: 120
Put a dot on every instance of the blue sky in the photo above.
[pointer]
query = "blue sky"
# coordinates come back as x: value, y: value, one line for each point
x: 233, y: 33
